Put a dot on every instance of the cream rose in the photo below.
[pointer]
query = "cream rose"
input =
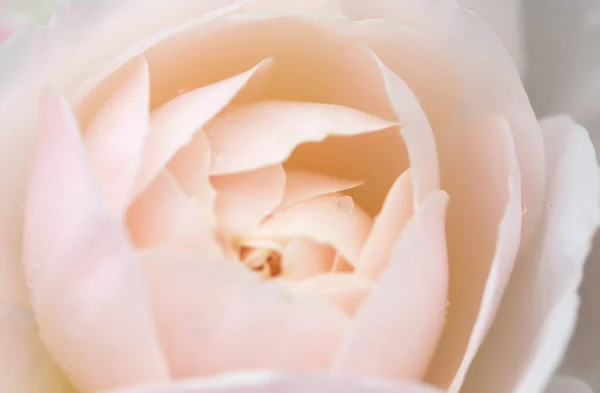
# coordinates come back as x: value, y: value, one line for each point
x: 283, y: 196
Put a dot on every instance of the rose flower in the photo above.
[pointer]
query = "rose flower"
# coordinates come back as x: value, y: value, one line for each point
x: 283, y: 196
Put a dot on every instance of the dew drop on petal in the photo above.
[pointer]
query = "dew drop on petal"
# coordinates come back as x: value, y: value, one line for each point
x: 346, y: 203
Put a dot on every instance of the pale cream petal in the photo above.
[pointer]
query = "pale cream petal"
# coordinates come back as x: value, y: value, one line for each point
x: 245, y: 199
x: 302, y: 258
x: 416, y: 132
x: 346, y: 291
x: 191, y: 168
x: 273, y: 382
x: 84, y: 279
x: 507, y: 246
x: 397, y: 328
x: 329, y: 58
x: 216, y: 317
x: 329, y: 219
x: 397, y: 210
x: 507, y: 19
x: 301, y: 185
x: 164, y: 216
x: 100, y: 67
x: 542, y: 294
x: 25, y: 365
x: 174, y: 124
x: 260, y: 7
x: 115, y: 138
x: 262, y: 134
x: 455, y: 53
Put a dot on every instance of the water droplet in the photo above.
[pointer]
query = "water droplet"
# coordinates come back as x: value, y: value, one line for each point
x: 181, y: 91
x: 524, y: 210
x: 345, y: 203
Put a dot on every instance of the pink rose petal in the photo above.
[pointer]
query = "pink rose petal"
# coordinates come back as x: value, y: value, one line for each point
x: 507, y: 245
x: 191, y: 167
x: 216, y: 316
x: 271, y: 382
x: 84, y: 279
x: 118, y: 42
x: 174, y: 124
x: 317, y: 6
x: 164, y: 216
x: 543, y: 291
x: 397, y: 328
x: 346, y: 291
x: 467, y: 50
x: 416, y: 132
x: 303, y: 258
x: 329, y: 219
x: 244, y: 199
x: 25, y: 365
x: 115, y: 138
x: 388, y: 225
x: 238, y: 137
x: 302, y: 185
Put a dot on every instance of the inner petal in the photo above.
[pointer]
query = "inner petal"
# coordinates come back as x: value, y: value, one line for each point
x: 244, y: 199
x: 315, y: 60
x: 164, y: 216
x: 346, y: 291
x: 262, y: 134
x: 302, y: 185
x: 303, y: 258
x: 331, y: 219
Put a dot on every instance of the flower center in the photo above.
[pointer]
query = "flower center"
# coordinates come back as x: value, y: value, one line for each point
x: 261, y: 256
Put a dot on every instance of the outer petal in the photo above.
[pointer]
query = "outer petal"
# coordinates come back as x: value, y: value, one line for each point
x: 269, y: 382
x: 25, y: 365
x: 507, y: 246
x: 446, y: 54
x: 115, y: 138
x: 397, y: 328
x: 174, y: 124
x: 505, y: 17
x: 245, y: 199
x: 563, y: 77
x: 316, y: 6
x: 216, y: 316
x: 468, y: 51
x: 83, y: 277
x: 583, y: 355
x: 238, y: 137
x: 20, y: 346
x: 542, y: 295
